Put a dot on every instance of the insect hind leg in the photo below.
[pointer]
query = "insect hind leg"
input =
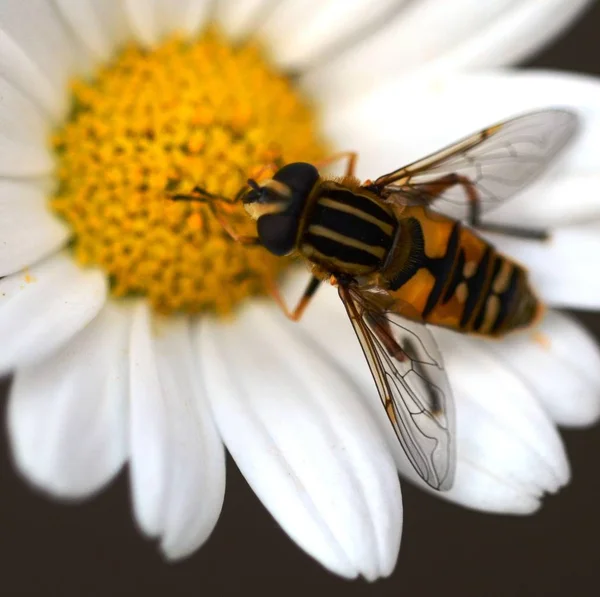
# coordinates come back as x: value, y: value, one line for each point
x: 434, y: 189
x: 403, y: 351
x: 381, y: 327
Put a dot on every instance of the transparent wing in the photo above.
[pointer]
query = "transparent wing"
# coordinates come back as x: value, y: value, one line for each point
x: 498, y: 161
x: 408, y: 371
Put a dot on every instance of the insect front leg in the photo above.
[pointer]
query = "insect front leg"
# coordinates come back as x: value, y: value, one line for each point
x: 436, y: 188
x: 298, y: 311
x: 238, y: 238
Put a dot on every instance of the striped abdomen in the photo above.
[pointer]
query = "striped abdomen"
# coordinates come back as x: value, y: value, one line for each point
x: 347, y: 231
x: 460, y: 281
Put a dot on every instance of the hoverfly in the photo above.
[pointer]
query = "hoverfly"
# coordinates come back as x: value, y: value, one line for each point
x: 402, y: 257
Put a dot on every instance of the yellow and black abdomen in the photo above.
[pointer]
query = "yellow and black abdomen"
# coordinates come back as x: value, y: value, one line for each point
x: 347, y: 231
x: 453, y: 278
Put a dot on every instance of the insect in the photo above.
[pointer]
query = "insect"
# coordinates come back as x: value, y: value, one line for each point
x: 403, y: 251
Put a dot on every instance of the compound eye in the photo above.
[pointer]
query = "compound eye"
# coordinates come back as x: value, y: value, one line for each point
x: 277, y: 233
x: 298, y: 177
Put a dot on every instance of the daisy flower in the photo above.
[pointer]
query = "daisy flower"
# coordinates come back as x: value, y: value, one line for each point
x: 135, y: 328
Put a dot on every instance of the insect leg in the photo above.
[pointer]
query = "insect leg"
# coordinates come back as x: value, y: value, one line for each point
x: 238, y: 238
x: 309, y: 292
x: 402, y: 351
x: 437, y: 187
x: 351, y: 156
x: 381, y: 327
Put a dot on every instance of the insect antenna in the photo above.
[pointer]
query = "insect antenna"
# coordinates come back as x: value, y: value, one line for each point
x: 200, y: 195
x: 253, y: 185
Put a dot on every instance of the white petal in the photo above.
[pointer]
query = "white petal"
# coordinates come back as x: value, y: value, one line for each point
x: 38, y: 30
x: 560, y: 362
x: 509, y: 453
x: 525, y: 28
x: 196, y: 454
x: 28, y: 231
x: 304, y: 442
x: 153, y: 19
x: 301, y: 32
x: 432, y: 37
x: 24, y: 74
x: 142, y: 16
x: 112, y: 17
x: 67, y: 414
x: 83, y: 19
x: 149, y: 430
x: 560, y: 267
x: 188, y: 16
x: 238, y: 18
x: 559, y: 198
x: 479, y: 488
x: 43, y: 308
x: 24, y: 134
x: 177, y: 460
x: 573, y: 342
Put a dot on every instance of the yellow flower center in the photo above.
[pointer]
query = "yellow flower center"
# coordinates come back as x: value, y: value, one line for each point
x: 184, y: 114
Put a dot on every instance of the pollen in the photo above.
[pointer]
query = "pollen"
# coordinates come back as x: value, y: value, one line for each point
x: 157, y: 122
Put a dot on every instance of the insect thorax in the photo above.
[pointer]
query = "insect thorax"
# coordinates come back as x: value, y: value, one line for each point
x: 347, y: 230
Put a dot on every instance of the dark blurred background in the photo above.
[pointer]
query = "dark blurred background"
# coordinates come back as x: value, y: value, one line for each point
x: 94, y: 548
